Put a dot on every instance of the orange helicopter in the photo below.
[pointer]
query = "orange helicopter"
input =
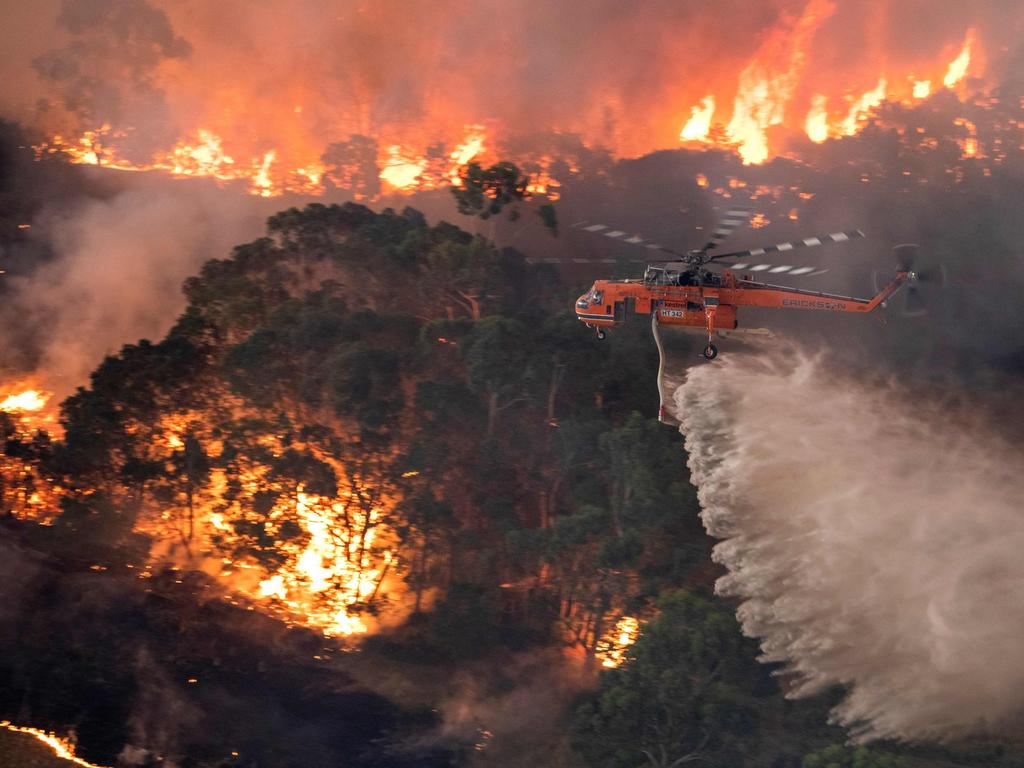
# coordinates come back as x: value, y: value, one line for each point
x: 686, y: 292
x: 690, y: 294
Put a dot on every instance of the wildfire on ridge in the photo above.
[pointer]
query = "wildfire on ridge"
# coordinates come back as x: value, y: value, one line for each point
x: 62, y: 748
x: 767, y: 87
x: 772, y: 92
x: 401, y: 167
x: 332, y: 555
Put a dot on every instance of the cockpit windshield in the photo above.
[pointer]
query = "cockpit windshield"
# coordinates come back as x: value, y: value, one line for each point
x: 591, y: 297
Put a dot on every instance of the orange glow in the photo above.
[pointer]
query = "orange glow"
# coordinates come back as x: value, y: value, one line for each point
x: 62, y: 748
x: 697, y: 127
x: 922, y: 89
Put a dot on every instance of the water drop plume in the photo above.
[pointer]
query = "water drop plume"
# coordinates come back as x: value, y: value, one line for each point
x: 873, y: 538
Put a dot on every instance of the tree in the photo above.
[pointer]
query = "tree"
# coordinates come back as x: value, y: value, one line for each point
x: 685, y: 694
x: 182, y: 485
x: 497, y: 364
x: 485, y: 192
x: 352, y: 165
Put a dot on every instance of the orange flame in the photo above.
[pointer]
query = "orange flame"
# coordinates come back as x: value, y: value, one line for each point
x: 62, y: 748
x: 699, y: 124
x: 766, y: 86
x: 958, y: 67
x: 29, y: 400
x: 611, y: 649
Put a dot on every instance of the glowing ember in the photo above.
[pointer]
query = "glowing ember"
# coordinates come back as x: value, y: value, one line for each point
x: 62, y: 748
x: 959, y: 66
x: 968, y: 144
x: 611, y: 649
x: 697, y: 127
x: 922, y: 88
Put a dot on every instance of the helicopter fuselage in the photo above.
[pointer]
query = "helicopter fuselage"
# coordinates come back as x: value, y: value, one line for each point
x: 707, y: 300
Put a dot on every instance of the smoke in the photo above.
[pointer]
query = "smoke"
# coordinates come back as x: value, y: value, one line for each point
x: 874, y: 540
x: 117, y: 273
x: 104, y: 75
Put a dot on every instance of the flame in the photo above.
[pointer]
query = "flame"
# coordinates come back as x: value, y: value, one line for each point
x: 817, y: 119
x: 756, y: 106
x: 29, y: 400
x: 957, y: 70
x: 767, y: 85
x: 30, y: 403
x: 611, y: 649
x: 402, y: 171
x: 697, y: 127
x: 62, y: 748
x: 325, y: 569
x: 862, y: 107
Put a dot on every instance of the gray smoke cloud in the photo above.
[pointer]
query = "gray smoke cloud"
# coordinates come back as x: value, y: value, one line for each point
x: 117, y: 275
x: 873, y: 539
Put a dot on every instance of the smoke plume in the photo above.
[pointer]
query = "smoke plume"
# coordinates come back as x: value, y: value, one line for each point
x: 873, y: 539
x: 117, y: 274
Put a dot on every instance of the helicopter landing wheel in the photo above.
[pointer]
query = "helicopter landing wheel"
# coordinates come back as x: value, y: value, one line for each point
x: 710, y: 351
x: 601, y: 334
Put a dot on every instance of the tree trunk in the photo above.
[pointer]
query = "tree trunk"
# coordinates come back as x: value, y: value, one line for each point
x: 557, y: 374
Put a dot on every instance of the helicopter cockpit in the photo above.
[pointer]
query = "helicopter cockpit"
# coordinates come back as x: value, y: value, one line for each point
x: 656, y: 275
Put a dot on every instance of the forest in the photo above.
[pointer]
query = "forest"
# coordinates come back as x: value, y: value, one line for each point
x: 488, y: 473
x: 373, y: 456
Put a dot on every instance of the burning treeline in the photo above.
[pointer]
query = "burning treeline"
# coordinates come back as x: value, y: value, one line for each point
x: 372, y: 98
x: 360, y: 416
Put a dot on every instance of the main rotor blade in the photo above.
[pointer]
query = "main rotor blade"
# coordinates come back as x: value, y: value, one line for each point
x: 809, y: 242
x: 732, y: 220
x: 781, y: 269
x: 624, y: 237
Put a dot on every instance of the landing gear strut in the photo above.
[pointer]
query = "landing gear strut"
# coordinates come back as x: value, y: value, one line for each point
x: 601, y: 334
x: 710, y: 351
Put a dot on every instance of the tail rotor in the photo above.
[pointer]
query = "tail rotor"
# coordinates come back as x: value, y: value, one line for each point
x: 924, y: 278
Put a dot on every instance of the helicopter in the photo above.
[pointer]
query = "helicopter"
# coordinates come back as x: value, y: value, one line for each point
x: 686, y: 291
